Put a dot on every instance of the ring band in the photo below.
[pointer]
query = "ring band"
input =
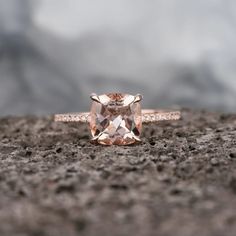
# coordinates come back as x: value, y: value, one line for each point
x: 148, y: 116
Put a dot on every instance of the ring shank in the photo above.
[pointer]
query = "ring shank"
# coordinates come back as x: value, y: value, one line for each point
x: 81, y: 117
x: 152, y: 115
x: 148, y: 116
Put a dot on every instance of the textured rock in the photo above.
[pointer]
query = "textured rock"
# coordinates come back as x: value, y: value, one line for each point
x: 180, y: 181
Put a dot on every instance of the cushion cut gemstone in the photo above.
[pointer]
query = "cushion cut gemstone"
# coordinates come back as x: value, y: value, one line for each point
x: 115, y: 118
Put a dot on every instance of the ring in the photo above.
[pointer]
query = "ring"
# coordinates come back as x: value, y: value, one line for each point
x: 117, y: 118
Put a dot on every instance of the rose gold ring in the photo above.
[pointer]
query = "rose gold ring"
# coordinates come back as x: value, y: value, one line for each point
x: 117, y: 118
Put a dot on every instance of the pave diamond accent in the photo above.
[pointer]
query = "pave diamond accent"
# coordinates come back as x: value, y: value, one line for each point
x: 116, y: 118
x: 150, y: 116
x: 75, y: 117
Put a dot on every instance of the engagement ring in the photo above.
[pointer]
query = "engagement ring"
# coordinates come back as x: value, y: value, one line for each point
x: 117, y: 118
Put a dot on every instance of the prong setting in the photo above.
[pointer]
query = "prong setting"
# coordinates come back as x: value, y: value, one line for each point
x: 138, y: 98
x: 95, y: 97
x: 137, y: 139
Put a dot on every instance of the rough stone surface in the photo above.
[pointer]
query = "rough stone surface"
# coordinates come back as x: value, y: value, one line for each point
x: 180, y: 181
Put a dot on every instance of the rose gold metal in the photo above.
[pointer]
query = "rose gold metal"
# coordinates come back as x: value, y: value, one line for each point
x: 151, y: 116
x: 81, y: 117
x: 148, y: 116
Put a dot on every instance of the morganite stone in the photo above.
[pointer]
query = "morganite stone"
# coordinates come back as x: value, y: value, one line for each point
x: 116, y: 119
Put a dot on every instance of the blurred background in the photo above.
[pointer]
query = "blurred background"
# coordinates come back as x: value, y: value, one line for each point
x: 54, y: 53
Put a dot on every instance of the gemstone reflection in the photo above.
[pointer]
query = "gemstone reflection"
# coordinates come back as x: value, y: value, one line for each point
x: 115, y: 118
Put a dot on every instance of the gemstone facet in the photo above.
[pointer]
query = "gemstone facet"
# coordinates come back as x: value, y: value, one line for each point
x: 115, y: 118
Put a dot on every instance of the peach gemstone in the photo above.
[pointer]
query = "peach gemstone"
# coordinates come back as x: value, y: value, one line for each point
x: 116, y: 119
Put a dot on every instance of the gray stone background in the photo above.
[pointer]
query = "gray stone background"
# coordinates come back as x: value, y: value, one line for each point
x: 53, y: 53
